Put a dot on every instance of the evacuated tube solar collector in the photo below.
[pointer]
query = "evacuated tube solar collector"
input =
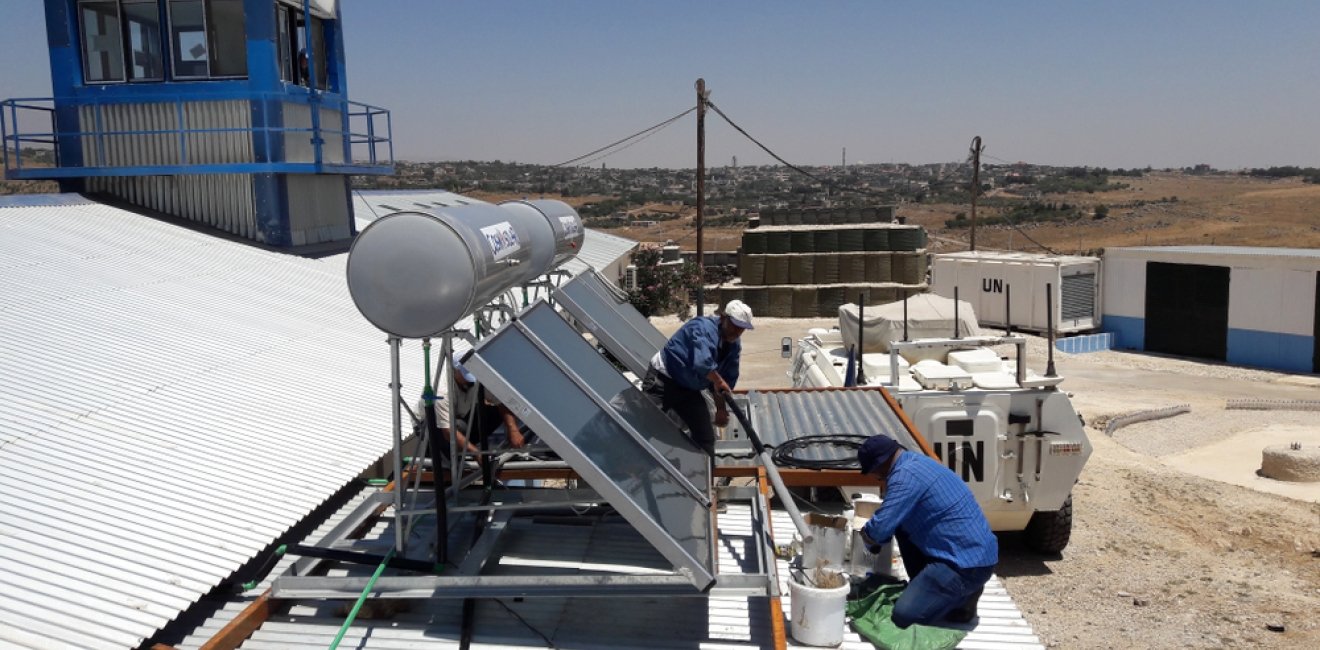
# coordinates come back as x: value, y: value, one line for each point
x: 413, y: 274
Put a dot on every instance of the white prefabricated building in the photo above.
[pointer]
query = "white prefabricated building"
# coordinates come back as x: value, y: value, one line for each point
x: 1005, y: 286
x: 1243, y: 305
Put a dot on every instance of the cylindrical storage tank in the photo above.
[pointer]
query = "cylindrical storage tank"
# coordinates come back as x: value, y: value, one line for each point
x: 804, y: 302
x: 886, y: 213
x: 852, y: 267
x: 802, y: 241
x: 869, y: 214
x: 875, y: 239
x: 752, y: 269
x: 563, y: 220
x: 827, y: 241
x: 781, y: 302
x: 878, y: 267
x: 852, y: 239
x: 853, y: 215
x: 827, y: 268
x: 754, y: 221
x: 793, y: 218
x: 776, y: 269
x: 753, y: 242
x: 758, y: 298
x: 415, y: 274
x: 802, y: 269
x: 777, y: 242
x: 829, y: 299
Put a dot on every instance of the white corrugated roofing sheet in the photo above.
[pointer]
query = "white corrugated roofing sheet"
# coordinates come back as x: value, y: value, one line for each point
x: 170, y: 403
x: 617, y: 623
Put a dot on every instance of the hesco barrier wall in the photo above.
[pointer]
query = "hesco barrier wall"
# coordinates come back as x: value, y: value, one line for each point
x: 807, y: 263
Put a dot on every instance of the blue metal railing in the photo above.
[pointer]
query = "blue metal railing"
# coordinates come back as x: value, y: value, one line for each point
x: 362, y: 138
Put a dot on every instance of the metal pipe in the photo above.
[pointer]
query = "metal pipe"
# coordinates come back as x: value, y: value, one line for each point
x: 396, y: 393
x: 1008, y: 310
x: 905, y: 316
x: 771, y: 471
x: 861, y: 330
x: 1049, y: 328
x: 956, y: 332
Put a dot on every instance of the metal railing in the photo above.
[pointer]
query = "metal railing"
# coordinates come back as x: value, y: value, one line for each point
x: 89, y: 126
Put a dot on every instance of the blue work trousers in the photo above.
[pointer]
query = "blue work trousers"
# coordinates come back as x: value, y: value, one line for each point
x: 936, y: 588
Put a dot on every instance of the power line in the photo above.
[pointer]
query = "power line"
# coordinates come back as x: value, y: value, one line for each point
x: 647, y: 132
x: 790, y: 165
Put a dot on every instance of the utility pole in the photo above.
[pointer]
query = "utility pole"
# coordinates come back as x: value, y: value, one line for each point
x: 702, y: 95
x: 976, y: 181
x: 844, y: 161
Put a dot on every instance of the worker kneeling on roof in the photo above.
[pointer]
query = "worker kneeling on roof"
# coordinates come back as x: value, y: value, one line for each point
x: 702, y: 354
x: 945, y: 541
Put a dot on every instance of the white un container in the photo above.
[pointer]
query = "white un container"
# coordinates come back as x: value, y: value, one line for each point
x: 1004, y: 287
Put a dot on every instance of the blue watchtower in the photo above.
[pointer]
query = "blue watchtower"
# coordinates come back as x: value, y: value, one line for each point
x: 229, y: 113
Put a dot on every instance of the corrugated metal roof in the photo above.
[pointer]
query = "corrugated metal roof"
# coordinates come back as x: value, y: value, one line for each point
x: 170, y: 403
x: 622, y: 623
x: 1244, y: 251
x: 37, y: 200
x: 783, y: 415
x: 599, y: 250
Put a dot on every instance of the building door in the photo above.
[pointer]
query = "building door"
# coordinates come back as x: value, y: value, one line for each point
x: 1187, y: 310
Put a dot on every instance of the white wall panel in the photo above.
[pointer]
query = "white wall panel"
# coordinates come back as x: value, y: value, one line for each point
x: 1272, y: 300
x: 1124, y: 287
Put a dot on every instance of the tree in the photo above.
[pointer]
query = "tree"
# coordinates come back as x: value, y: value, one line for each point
x: 1101, y: 211
x: 662, y: 289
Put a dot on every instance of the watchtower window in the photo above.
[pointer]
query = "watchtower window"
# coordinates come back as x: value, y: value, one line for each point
x: 102, y: 41
x: 123, y: 40
x: 143, y: 36
x: 295, y: 67
x: 208, y: 39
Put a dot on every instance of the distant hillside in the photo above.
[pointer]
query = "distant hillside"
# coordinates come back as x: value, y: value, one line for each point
x: 37, y: 158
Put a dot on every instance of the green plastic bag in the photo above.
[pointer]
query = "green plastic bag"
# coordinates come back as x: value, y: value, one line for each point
x: 870, y: 618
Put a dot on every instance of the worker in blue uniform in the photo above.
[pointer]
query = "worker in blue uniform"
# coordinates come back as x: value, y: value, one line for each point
x: 946, y: 543
x: 703, y: 354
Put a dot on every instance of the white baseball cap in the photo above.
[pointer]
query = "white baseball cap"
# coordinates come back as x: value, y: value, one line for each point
x: 740, y: 314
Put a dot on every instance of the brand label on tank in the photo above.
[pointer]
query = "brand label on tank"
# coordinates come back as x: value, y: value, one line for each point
x: 502, y: 238
x: 572, y: 228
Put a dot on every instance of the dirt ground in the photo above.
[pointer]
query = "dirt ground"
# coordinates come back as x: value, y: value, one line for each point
x: 1220, y: 209
x: 1169, y: 550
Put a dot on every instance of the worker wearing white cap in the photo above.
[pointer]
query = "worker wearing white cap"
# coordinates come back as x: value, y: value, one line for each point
x: 703, y: 354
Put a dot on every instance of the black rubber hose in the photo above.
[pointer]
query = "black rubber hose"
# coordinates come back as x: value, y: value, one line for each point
x: 789, y: 454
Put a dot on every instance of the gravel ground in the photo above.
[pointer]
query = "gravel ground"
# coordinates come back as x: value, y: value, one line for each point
x: 1160, y: 557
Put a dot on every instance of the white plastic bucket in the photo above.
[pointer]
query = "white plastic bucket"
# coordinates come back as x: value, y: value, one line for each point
x: 830, y: 534
x: 817, y: 614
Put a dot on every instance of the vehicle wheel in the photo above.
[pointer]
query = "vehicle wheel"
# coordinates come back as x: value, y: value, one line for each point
x: 1049, y: 532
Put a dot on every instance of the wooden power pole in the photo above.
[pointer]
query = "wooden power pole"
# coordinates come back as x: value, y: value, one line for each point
x: 701, y: 194
x: 976, y: 182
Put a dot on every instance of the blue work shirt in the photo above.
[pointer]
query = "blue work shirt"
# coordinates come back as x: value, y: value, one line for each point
x: 936, y: 511
x: 694, y: 350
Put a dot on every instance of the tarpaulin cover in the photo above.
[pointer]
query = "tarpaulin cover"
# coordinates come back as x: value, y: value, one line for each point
x: 870, y: 617
x: 928, y: 316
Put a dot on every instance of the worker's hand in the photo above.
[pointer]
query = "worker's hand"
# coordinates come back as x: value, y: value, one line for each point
x: 718, y: 384
x: 721, y: 417
x: 516, y: 439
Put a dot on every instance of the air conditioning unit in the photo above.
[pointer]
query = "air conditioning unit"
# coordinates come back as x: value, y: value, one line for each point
x: 630, y: 278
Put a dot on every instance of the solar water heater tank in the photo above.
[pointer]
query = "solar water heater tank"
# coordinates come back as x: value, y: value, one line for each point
x: 414, y: 274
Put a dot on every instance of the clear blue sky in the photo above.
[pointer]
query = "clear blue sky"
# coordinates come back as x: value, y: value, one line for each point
x: 1115, y: 83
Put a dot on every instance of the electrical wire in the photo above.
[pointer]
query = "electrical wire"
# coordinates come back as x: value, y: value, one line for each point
x: 785, y: 455
x: 647, y: 131
x: 826, y: 182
